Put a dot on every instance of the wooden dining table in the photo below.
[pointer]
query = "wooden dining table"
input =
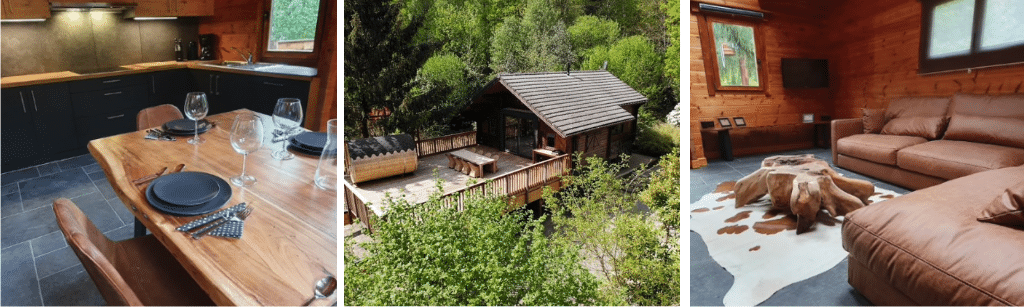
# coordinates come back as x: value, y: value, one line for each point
x: 290, y: 241
x: 478, y: 161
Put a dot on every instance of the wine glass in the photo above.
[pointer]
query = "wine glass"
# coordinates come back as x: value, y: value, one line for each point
x: 196, y: 108
x: 246, y: 138
x: 287, y: 116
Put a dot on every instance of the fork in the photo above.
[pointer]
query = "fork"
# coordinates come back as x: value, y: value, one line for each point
x: 238, y: 216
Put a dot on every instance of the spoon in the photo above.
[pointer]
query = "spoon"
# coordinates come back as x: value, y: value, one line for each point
x: 324, y: 288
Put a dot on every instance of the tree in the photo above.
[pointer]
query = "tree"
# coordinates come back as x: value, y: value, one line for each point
x: 597, y: 211
x: 427, y: 254
x: 591, y: 31
x: 662, y: 192
x: 671, y: 8
x: 634, y: 60
x: 293, y: 19
x: 380, y: 59
x: 539, y: 41
x: 442, y: 87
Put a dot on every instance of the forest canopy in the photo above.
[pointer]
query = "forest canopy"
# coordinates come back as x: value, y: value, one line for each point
x: 448, y: 49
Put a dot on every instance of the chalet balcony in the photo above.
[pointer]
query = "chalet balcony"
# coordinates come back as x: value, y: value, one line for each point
x: 518, y: 179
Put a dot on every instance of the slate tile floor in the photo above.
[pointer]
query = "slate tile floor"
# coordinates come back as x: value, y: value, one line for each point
x: 709, y: 282
x: 38, y: 266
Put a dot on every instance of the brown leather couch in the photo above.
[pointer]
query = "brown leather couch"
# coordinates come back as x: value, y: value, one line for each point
x: 928, y: 247
x: 920, y: 142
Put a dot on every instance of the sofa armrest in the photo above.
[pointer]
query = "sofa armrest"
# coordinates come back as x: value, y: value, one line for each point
x: 842, y: 128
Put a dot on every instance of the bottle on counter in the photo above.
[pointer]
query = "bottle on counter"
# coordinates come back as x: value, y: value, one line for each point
x: 193, y: 51
x: 179, y: 50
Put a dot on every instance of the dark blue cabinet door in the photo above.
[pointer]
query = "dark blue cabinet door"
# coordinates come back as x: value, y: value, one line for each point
x: 54, y: 119
x: 17, y: 131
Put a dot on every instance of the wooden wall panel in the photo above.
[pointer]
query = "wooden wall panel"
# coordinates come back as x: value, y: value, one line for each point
x: 875, y: 59
x: 792, y: 29
x: 237, y: 23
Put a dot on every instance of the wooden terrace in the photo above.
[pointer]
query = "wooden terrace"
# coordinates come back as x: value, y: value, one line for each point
x: 517, y: 178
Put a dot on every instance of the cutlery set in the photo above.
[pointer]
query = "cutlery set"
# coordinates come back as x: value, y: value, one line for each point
x: 157, y: 134
x: 219, y: 222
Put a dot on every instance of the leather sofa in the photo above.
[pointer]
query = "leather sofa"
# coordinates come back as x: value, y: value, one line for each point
x: 920, y: 142
x: 929, y: 248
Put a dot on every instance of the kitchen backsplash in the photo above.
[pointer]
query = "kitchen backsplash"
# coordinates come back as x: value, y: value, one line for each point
x: 86, y: 40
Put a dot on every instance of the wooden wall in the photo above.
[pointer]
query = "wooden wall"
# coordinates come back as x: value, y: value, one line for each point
x: 792, y: 28
x: 237, y: 23
x: 876, y: 59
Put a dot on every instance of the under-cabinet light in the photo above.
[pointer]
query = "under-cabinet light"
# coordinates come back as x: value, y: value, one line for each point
x: 24, y: 20
x: 155, y: 18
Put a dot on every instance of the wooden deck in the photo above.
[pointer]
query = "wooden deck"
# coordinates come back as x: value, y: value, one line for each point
x: 417, y: 187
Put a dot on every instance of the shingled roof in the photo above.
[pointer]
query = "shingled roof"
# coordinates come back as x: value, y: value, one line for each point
x: 576, y: 102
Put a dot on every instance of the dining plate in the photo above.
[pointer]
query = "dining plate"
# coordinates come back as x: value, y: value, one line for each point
x: 186, y: 189
x: 185, y: 126
x: 313, y: 141
x: 304, y: 151
x: 209, y: 206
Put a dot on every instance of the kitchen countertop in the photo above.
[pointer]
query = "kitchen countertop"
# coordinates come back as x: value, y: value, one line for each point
x: 64, y: 76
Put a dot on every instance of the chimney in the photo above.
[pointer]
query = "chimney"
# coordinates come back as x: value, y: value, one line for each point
x: 567, y: 69
x: 605, y: 66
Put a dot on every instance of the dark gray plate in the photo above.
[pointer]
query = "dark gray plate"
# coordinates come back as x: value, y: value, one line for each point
x: 185, y: 126
x: 313, y: 141
x: 207, y: 207
x: 186, y: 188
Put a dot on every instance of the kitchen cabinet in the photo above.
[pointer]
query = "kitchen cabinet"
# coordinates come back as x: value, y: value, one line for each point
x: 170, y: 87
x: 156, y: 8
x: 270, y: 89
x: 225, y: 91
x: 25, y: 9
x: 194, y: 7
x: 109, y: 108
x: 37, y: 125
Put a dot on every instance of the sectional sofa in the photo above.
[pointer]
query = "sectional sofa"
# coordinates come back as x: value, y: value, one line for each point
x: 958, y: 239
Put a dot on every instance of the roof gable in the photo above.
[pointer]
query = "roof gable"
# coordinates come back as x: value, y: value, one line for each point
x: 574, y: 103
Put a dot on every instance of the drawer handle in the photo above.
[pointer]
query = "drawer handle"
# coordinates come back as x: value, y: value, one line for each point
x: 274, y: 84
x: 115, y: 116
x: 114, y: 93
x: 112, y: 81
x: 22, y: 95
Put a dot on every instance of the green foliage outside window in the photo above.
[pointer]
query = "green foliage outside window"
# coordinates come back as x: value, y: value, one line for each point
x: 293, y: 20
x: 736, y: 49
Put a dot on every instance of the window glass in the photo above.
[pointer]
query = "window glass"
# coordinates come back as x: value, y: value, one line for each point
x: 736, y: 54
x: 1003, y: 24
x: 951, y: 29
x: 292, y: 25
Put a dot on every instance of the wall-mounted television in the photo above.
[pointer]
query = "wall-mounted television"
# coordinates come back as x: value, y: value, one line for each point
x: 804, y: 73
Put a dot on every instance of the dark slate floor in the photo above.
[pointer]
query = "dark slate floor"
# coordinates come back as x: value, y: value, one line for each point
x: 709, y: 282
x: 38, y: 266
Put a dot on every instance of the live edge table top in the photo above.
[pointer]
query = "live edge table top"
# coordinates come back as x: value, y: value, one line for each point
x: 290, y: 240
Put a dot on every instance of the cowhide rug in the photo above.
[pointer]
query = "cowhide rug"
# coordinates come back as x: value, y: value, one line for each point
x: 759, y: 246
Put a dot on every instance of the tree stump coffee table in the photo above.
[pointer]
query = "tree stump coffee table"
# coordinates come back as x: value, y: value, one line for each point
x: 803, y: 185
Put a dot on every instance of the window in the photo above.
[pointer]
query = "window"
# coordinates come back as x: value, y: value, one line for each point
x: 293, y: 25
x: 293, y: 29
x: 733, y: 54
x: 617, y: 129
x: 963, y: 34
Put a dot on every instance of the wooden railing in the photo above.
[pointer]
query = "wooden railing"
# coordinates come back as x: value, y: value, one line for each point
x: 445, y: 143
x: 355, y: 205
x: 514, y: 184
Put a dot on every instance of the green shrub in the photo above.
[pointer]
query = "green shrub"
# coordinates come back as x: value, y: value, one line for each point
x: 657, y: 139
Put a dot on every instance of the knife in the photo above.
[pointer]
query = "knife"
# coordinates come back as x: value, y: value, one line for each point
x: 220, y: 215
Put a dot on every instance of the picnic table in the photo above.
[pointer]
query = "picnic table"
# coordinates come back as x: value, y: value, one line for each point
x: 476, y: 161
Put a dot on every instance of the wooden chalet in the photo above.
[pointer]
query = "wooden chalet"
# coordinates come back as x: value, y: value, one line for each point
x: 539, y: 115
x: 529, y: 123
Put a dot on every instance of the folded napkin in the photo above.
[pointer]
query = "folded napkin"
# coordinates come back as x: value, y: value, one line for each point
x: 231, y: 229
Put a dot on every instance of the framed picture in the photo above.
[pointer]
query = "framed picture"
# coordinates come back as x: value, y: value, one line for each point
x: 724, y: 121
x: 739, y: 121
x: 808, y: 117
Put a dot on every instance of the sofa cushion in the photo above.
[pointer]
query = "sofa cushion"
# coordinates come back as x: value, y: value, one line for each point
x: 934, y: 110
x: 876, y: 148
x: 874, y: 120
x: 1006, y: 131
x: 1007, y: 209
x: 926, y: 127
x: 953, y: 159
x: 987, y: 119
x: 930, y: 246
